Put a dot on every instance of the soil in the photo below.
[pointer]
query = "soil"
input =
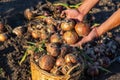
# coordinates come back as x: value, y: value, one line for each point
x: 12, y: 50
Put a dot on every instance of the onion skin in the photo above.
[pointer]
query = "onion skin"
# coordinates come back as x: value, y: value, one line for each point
x: 66, y: 26
x: 35, y: 35
x: 43, y: 34
x: 50, y: 20
x: 82, y: 29
x: 70, y: 58
x: 55, y: 38
x: 53, y: 49
x: 3, y: 37
x: 70, y: 37
x: 46, y: 62
x: 19, y: 31
x: 28, y: 14
x: 60, y: 61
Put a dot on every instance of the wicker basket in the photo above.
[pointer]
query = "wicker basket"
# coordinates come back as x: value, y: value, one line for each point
x: 73, y: 74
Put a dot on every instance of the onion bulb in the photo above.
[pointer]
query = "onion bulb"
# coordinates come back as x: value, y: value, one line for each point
x: 50, y: 20
x: 35, y: 34
x: 70, y: 37
x: 70, y: 58
x: 66, y: 26
x: 19, y: 30
x: 60, y: 61
x: 46, y: 62
x: 53, y: 49
x: 43, y: 34
x: 55, y: 38
x: 28, y: 14
x: 82, y: 29
x: 3, y: 37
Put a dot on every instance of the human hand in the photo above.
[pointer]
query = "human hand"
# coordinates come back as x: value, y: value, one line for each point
x: 93, y: 34
x: 73, y: 14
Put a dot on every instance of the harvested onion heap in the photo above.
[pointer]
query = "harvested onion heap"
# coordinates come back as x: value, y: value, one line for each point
x: 64, y: 31
x: 56, y: 31
x: 58, y: 58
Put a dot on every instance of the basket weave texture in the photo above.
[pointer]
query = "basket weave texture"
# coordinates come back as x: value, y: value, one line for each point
x: 73, y: 74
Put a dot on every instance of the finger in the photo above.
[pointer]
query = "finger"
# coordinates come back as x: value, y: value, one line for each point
x: 77, y: 45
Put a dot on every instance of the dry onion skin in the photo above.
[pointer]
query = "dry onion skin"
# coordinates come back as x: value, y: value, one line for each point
x: 28, y: 14
x: 55, y: 38
x: 60, y: 61
x: 53, y: 49
x: 19, y: 30
x: 46, y: 62
x: 3, y: 37
x: 70, y: 58
x: 35, y: 34
x: 70, y: 37
x: 82, y: 29
x: 66, y: 26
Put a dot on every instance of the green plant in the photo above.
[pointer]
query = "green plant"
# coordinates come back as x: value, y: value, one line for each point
x: 67, y: 5
x: 32, y: 48
x: 1, y: 70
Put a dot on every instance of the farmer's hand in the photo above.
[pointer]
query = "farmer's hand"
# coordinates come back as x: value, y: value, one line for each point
x: 93, y: 34
x: 73, y: 14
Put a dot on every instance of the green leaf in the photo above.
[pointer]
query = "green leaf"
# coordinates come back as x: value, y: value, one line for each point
x: 62, y: 4
x: 104, y: 69
x: 23, y: 58
x: 1, y: 70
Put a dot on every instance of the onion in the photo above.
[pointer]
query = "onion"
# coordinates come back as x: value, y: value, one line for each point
x: 93, y: 71
x: 28, y: 14
x: 70, y: 58
x: 82, y: 29
x: 46, y: 62
x: 50, y: 20
x: 19, y: 30
x: 53, y: 49
x: 43, y: 34
x: 67, y: 25
x: 70, y: 37
x: 3, y: 37
x: 35, y: 34
x: 55, y: 38
x: 60, y: 61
